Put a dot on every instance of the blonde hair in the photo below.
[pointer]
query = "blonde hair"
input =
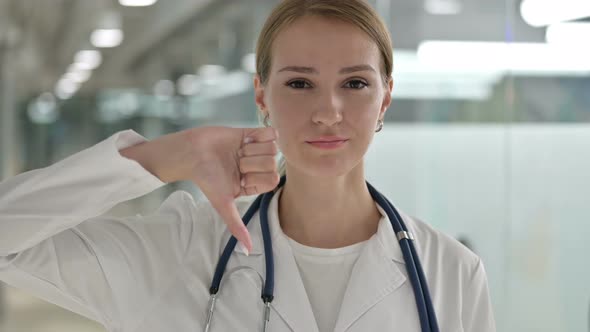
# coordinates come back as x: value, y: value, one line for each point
x: 356, y: 12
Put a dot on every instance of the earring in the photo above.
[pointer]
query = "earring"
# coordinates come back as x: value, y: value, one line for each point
x: 265, y: 121
x: 379, y: 125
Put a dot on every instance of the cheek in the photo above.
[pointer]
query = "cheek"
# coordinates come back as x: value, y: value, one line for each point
x: 363, y: 109
x: 287, y: 118
x: 286, y: 101
x: 286, y: 109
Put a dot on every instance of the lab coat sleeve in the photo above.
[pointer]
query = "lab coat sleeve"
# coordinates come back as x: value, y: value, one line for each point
x: 55, y: 244
x: 477, y: 307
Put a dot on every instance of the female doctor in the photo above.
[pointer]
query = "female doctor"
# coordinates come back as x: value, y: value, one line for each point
x: 323, y: 85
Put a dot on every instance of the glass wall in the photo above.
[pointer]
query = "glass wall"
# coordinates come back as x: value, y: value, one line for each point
x: 487, y: 138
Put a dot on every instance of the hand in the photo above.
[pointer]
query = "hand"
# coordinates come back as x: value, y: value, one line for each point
x: 218, y: 160
x: 233, y: 162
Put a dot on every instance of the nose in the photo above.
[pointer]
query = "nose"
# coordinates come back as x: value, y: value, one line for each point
x: 328, y: 110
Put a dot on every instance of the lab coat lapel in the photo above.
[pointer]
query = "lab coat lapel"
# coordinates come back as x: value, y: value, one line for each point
x: 291, y: 301
x: 290, y: 297
x: 375, y: 275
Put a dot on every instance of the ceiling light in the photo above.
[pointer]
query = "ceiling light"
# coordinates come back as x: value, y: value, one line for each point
x: 106, y: 37
x: 249, y: 63
x: 164, y: 89
x: 188, y: 85
x: 66, y: 88
x: 417, y: 80
x: 137, y: 3
x: 43, y: 109
x: 519, y: 58
x: 87, y: 59
x: 539, y: 13
x: 573, y: 34
x: 79, y: 76
x: 442, y: 7
x: 211, y: 74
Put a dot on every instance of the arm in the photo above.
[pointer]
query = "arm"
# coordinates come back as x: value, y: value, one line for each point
x: 54, y: 245
x: 41, y: 203
x: 477, y: 308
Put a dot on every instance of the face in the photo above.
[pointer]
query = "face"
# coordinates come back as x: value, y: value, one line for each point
x: 325, y: 80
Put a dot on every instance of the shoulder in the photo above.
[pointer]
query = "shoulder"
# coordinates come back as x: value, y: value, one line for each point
x: 455, y: 274
x: 442, y: 252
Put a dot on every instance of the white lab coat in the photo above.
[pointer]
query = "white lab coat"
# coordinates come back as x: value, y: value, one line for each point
x: 152, y: 273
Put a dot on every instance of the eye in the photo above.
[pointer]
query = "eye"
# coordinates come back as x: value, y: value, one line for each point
x: 298, y: 84
x: 356, y: 84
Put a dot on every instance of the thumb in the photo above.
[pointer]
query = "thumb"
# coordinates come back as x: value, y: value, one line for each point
x: 228, y: 211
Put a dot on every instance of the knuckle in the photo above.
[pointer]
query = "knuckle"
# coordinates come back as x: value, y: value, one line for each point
x: 250, y: 150
x: 242, y: 167
x: 276, y: 178
x: 270, y: 163
x: 252, y: 190
x: 243, y: 151
x: 257, y: 150
x: 274, y: 149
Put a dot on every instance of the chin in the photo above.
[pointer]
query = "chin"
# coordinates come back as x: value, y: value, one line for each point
x: 325, y: 168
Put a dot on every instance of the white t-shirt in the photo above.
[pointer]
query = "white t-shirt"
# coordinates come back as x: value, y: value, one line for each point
x: 325, y: 274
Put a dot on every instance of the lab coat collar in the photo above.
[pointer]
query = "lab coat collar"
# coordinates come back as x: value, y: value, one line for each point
x: 375, y: 275
x: 291, y: 300
x: 387, y: 237
x: 290, y: 297
x: 385, y: 234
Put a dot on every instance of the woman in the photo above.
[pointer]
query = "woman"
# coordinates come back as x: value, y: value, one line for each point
x: 323, y: 81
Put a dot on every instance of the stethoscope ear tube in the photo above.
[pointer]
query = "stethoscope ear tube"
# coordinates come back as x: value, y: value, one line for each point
x: 269, y: 281
x: 426, y: 293
x: 229, y: 247
x: 427, y: 316
x: 431, y: 313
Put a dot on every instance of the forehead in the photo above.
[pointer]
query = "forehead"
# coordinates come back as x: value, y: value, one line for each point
x: 318, y: 41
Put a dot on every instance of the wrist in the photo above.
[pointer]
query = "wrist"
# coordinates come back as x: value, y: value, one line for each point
x: 165, y: 157
x: 139, y: 153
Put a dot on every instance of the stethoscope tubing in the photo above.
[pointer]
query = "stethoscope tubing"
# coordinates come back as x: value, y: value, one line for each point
x: 269, y: 281
x: 229, y: 247
x: 426, y: 313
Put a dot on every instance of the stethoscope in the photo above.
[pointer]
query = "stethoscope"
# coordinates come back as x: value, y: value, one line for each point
x: 426, y: 312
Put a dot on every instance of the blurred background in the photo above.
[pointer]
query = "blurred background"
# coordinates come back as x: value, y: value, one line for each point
x: 487, y: 138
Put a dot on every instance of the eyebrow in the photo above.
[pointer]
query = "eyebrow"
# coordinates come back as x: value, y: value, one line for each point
x: 348, y: 70
x: 311, y: 70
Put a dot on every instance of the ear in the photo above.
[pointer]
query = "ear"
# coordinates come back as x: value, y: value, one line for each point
x: 259, y: 94
x: 386, y: 98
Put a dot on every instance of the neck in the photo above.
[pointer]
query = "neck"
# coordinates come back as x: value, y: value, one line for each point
x: 328, y: 212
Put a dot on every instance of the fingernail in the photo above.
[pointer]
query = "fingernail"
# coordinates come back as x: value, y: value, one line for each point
x: 243, y: 182
x: 243, y: 248
x: 248, y: 140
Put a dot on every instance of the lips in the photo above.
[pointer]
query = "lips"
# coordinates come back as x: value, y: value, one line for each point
x: 327, y: 139
x: 328, y: 142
